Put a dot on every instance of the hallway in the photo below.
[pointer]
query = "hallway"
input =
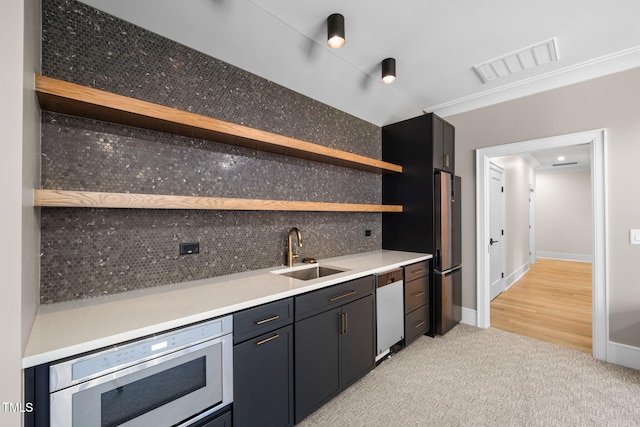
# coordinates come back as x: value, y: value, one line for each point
x: 552, y: 303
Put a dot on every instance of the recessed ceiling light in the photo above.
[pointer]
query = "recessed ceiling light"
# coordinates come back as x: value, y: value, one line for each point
x: 514, y: 62
x: 561, y: 158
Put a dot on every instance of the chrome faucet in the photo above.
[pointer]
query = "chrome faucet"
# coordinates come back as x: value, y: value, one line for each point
x: 290, y: 255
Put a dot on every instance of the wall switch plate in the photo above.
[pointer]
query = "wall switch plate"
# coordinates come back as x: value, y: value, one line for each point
x: 634, y: 237
x: 189, y: 248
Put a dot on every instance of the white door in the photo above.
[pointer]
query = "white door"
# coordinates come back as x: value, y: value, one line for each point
x: 496, y: 222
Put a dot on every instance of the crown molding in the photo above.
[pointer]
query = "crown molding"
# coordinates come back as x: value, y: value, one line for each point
x: 597, y: 67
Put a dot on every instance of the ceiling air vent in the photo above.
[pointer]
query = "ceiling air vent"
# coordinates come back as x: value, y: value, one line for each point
x: 523, y: 59
x: 565, y: 164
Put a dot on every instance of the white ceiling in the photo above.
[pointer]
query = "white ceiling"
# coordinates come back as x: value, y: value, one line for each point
x: 576, y: 157
x: 435, y: 42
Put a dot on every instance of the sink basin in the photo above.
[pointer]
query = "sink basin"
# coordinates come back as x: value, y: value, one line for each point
x: 309, y: 273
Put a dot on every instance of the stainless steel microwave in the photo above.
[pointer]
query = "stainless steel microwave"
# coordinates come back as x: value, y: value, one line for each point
x: 176, y: 378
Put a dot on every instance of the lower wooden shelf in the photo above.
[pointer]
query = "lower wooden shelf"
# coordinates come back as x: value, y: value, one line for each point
x: 88, y: 199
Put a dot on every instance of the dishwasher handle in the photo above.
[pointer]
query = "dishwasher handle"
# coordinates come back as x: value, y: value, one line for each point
x: 389, y: 277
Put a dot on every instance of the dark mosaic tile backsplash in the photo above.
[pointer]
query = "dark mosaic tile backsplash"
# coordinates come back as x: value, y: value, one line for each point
x: 92, y: 252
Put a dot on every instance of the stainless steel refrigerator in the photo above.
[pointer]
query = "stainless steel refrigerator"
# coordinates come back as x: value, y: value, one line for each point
x: 447, y: 252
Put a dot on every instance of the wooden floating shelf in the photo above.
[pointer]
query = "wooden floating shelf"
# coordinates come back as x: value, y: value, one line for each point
x: 70, y: 98
x: 88, y: 199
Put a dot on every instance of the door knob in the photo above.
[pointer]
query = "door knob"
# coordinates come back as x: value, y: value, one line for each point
x: 491, y: 241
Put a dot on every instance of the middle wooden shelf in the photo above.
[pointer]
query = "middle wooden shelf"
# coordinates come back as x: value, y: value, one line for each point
x: 90, y: 199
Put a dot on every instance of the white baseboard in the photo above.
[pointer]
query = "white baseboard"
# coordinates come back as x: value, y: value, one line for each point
x: 516, y: 275
x: 469, y: 316
x: 564, y: 257
x: 622, y: 354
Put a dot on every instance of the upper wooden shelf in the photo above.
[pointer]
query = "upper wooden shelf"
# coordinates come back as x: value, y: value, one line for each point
x: 70, y: 98
x: 88, y: 199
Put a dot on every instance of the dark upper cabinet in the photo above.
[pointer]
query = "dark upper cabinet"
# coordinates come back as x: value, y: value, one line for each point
x: 263, y: 365
x: 333, y: 348
x: 443, y: 145
x: 421, y: 145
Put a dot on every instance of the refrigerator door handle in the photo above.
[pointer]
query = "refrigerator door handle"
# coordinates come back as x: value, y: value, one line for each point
x: 451, y: 270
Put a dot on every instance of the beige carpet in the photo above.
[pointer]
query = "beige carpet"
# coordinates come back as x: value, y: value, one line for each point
x: 487, y: 377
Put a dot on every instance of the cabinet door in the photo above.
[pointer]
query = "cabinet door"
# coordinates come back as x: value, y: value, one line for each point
x: 416, y: 293
x: 416, y: 323
x: 357, y: 335
x: 263, y: 380
x: 443, y: 145
x: 317, y: 361
x: 438, y: 143
x: 448, y: 147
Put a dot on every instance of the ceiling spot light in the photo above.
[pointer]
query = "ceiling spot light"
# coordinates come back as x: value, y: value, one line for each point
x: 389, y: 70
x: 561, y: 158
x: 335, y: 31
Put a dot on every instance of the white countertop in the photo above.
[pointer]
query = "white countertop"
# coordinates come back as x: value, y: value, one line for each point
x: 70, y: 328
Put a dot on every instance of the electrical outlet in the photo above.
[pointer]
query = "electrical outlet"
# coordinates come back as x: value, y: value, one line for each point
x: 189, y: 248
x: 367, y: 233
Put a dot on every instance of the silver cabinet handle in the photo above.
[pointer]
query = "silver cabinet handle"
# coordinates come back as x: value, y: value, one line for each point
x: 419, y: 294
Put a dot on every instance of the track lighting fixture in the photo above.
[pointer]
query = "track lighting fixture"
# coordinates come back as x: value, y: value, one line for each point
x: 389, y: 70
x: 335, y: 31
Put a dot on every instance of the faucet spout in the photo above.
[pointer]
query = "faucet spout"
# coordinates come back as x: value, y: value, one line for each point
x: 290, y: 254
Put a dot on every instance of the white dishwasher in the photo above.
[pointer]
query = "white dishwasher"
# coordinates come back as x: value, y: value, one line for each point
x: 389, y: 311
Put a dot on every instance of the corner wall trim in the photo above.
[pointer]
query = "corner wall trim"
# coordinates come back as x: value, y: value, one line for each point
x: 516, y: 275
x: 624, y: 355
x: 469, y: 316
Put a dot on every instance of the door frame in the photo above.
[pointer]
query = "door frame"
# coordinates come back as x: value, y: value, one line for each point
x: 532, y: 225
x: 503, y: 255
x: 600, y: 307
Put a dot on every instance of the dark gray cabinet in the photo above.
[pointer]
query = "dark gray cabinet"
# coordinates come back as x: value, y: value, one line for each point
x: 334, y: 342
x: 416, y: 300
x: 263, y: 365
x: 218, y: 420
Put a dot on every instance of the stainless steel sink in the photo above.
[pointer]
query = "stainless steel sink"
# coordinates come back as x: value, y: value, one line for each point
x: 310, y: 272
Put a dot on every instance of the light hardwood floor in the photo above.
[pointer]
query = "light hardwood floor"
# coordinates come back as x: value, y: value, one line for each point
x: 552, y: 303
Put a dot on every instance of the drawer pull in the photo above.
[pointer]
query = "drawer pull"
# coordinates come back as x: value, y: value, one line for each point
x: 343, y: 323
x: 348, y: 294
x: 266, y: 340
x: 419, y: 294
x: 270, y: 319
x: 418, y: 271
x: 420, y: 323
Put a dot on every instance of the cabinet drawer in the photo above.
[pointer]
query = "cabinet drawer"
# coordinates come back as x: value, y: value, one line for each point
x: 416, y: 323
x: 416, y: 293
x: 334, y: 296
x: 252, y: 322
x: 416, y: 270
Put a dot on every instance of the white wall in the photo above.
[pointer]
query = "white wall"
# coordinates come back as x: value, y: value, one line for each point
x: 610, y: 102
x: 518, y: 174
x: 19, y: 173
x: 564, y: 214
